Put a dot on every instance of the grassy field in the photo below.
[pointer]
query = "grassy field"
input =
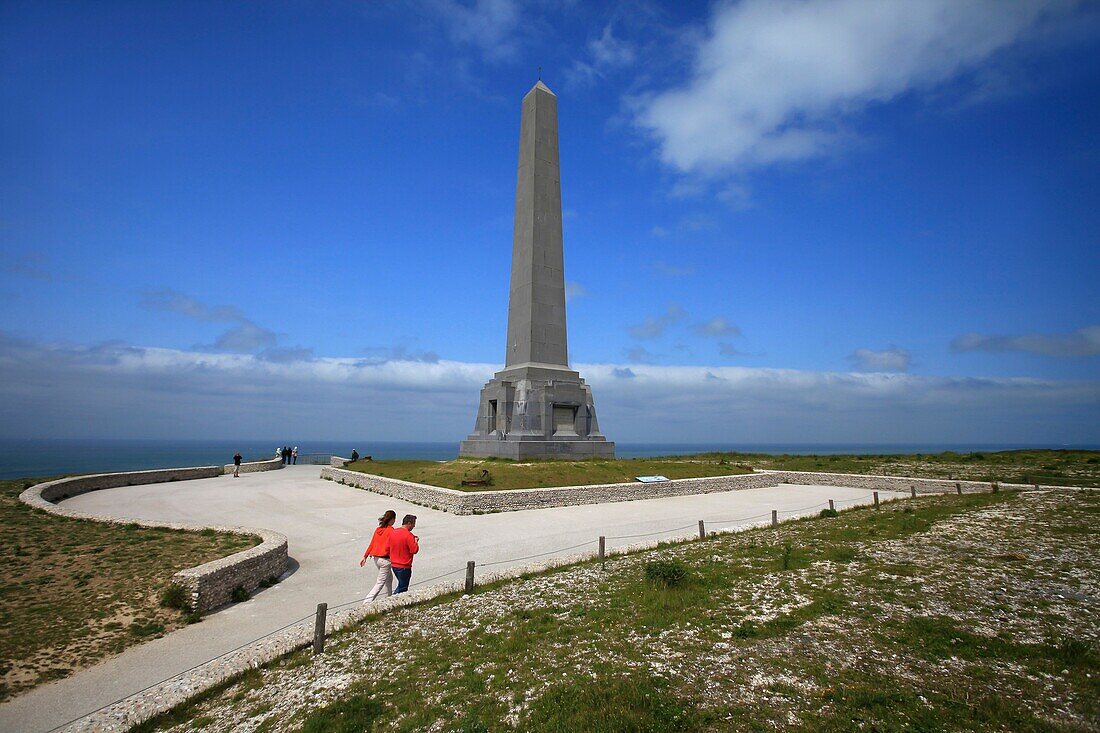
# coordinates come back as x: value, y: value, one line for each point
x: 963, y: 613
x: 1052, y: 467
x: 73, y: 592
x: 505, y: 474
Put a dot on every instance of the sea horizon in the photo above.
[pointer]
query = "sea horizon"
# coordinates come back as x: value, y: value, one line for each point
x: 46, y: 457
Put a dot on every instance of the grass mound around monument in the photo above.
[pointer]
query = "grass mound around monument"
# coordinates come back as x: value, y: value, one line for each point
x: 497, y: 474
x: 1049, y: 467
x: 74, y: 591
x: 975, y: 612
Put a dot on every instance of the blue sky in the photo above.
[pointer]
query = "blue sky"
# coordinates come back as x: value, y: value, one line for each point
x: 784, y: 221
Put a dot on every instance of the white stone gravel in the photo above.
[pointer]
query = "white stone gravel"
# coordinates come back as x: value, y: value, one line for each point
x: 959, y: 572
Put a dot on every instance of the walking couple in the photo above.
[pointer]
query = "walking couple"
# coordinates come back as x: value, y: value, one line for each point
x: 391, y: 549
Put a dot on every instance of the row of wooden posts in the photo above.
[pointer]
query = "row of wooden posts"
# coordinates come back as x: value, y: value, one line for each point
x: 322, y: 608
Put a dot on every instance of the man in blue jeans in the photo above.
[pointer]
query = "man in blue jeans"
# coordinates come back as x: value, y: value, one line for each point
x: 403, y: 545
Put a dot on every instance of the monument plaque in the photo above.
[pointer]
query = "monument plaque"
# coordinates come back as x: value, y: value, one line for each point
x: 537, y: 407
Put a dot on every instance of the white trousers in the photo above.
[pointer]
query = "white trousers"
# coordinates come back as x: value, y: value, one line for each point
x: 384, y: 584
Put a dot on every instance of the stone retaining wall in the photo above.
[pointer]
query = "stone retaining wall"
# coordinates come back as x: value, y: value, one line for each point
x: 271, y: 464
x: 338, y: 462
x: 479, y: 502
x: 889, y: 483
x: 209, y: 585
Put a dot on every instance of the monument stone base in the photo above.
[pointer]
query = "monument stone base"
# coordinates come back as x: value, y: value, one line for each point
x: 536, y: 411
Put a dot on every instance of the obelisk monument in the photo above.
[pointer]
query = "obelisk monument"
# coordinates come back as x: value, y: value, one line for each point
x: 537, y: 407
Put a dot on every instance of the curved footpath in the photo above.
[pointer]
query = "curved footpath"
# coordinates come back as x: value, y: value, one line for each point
x: 328, y: 525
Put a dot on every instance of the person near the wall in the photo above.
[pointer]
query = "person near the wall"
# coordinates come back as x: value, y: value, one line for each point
x: 237, y: 464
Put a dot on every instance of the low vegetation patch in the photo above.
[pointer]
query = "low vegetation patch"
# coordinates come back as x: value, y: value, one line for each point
x: 467, y: 474
x: 904, y: 618
x: 73, y: 592
x: 1047, y: 467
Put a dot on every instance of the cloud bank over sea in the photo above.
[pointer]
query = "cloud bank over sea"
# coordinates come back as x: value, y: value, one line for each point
x: 116, y: 390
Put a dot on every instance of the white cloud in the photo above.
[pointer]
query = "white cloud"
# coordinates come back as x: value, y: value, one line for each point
x: 892, y: 359
x: 778, y: 80
x: 173, y: 301
x: 638, y: 355
x: 489, y: 25
x: 1082, y: 342
x: 605, y: 54
x: 664, y: 269
x: 728, y: 349
x: 655, y: 326
x: 114, y: 390
x: 243, y: 338
x: 717, y: 326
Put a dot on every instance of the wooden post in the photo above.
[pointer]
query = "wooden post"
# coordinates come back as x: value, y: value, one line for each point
x: 470, y: 576
x: 958, y: 488
x: 702, y: 532
x: 603, y: 545
x: 913, y: 491
x: 831, y: 507
x: 775, y: 517
x: 876, y: 500
x: 319, y: 629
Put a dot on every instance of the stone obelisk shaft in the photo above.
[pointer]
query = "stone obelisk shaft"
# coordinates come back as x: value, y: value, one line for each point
x: 536, y: 301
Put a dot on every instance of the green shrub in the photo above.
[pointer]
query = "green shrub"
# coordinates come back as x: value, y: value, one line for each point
x: 825, y: 513
x: 665, y: 572
x: 175, y: 596
x: 787, y: 556
x: 746, y: 630
x: 240, y: 594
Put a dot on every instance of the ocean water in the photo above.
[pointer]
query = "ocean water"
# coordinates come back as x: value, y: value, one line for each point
x: 21, y: 458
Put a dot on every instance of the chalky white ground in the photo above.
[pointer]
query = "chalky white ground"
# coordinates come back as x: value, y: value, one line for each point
x: 328, y: 526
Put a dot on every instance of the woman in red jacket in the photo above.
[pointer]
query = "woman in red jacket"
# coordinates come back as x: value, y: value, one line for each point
x: 379, y: 551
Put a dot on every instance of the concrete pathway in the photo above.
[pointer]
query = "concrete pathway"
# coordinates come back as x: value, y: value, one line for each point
x: 328, y: 526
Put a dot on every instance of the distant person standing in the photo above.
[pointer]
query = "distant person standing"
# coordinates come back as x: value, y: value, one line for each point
x: 286, y: 455
x: 294, y: 455
x: 237, y: 464
x: 379, y: 552
x: 403, y: 545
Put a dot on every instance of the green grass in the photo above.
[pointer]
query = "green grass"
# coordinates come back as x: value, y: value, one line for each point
x: 1049, y: 467
x: 917, y: 616
x: 505, y: 474
x: 73, y: 592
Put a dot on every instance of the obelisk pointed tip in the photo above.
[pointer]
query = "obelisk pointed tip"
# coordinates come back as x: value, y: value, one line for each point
x: 540, y: 85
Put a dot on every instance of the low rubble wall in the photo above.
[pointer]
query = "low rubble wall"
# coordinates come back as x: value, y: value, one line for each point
x: 891, y: 483
x: 209, y: 585
x: 481, y: 502
x: 271, y: 464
